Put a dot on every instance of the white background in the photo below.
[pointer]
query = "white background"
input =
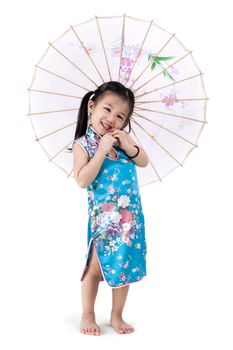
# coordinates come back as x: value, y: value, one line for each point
x: 185, y: 301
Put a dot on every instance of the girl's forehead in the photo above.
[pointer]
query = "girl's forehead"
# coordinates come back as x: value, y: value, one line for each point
x: 114, y: 100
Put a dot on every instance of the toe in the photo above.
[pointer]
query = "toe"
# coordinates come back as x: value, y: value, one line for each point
x: 84, y: 330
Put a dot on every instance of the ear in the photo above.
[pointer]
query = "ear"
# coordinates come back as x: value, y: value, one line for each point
x: 125, y: 124
x: 90, y: 106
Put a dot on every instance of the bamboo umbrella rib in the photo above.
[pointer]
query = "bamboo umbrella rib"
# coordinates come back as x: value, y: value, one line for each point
x: 33, y: 78
x: 137, y: 19
x: 43, y: 148
x: 55, y: 131
x: 88, y: 54
x: 70, y: 172
x: 50, y: 159
x: 60, y: 167
x: 148, y: 157
x: 54, y: 93
x: 85, y: 22
x: 150, y: 63
x: 170, y: 171
x: 157, y: 142
x: 200, y: 132
x: 107, y: 17
x: 177, y: 99
x: 49, y: 155
x: 149, y: 182
x: 80, y: 70
x: 55, y: 111
x: 202, y: 82
x: 122, y: 43
x: 61, y: 77
x: 60, y: 151
x: 171, y: 65
x: 165, y: 86
x: 139, y: 51
x: 105, y: 55
x: 172, y: 115
x: 163, y: 127
x: 61, y: 36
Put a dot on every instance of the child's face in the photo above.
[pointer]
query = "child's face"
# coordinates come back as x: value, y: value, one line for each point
x: 110, y: 111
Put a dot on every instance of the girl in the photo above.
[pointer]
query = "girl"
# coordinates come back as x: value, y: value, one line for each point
x: 105, y: 159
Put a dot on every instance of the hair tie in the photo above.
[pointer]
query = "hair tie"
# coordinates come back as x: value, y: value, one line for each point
x: 93, y: 94
x: 136, y: 153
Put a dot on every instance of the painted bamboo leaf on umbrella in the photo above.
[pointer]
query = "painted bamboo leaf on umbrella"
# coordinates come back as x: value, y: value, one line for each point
x: 156, y: 60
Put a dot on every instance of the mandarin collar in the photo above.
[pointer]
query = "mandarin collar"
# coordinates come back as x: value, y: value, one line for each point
x: 93, y: 133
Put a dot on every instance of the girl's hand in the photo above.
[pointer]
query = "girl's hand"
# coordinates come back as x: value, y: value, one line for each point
x: 107, y: 142
x: 123, y: 139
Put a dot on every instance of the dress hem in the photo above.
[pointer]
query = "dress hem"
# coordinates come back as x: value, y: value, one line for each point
x: 104, y: 279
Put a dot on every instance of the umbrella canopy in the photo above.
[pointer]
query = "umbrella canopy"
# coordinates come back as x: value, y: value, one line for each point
x: 170, y: 97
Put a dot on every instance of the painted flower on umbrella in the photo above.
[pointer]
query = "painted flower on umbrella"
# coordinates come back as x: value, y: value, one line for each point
x: 126, y: 65
x: 170, y: 99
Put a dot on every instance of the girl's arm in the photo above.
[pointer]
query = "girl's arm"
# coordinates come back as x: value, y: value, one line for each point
x: 90, y: 171
x: 141, y: 159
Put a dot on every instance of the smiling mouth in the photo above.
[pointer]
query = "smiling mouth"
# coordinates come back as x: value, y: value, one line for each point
x: 105, y: 126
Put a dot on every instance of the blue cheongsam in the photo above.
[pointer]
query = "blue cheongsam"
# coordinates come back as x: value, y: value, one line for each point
x: 115, y: 216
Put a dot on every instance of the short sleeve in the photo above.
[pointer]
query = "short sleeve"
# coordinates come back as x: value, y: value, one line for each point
x: 83, y: 143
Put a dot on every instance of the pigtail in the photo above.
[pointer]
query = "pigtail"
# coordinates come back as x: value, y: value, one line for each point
x: 82, y: 120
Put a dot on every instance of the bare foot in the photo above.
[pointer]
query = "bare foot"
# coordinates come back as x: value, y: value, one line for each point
x: 120, y: 325
x: 88, y: 325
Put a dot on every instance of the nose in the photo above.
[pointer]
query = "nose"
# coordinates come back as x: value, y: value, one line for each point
x: 110, y: 121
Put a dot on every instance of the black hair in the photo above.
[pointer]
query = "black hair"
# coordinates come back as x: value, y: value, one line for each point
x: 114, y: 86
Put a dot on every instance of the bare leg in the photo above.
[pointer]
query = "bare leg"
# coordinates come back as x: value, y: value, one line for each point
x: 89, y: 290
x: 119, y: 296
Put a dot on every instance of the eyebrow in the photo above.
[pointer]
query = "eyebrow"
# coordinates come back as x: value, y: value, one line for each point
x: 112, y: 107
